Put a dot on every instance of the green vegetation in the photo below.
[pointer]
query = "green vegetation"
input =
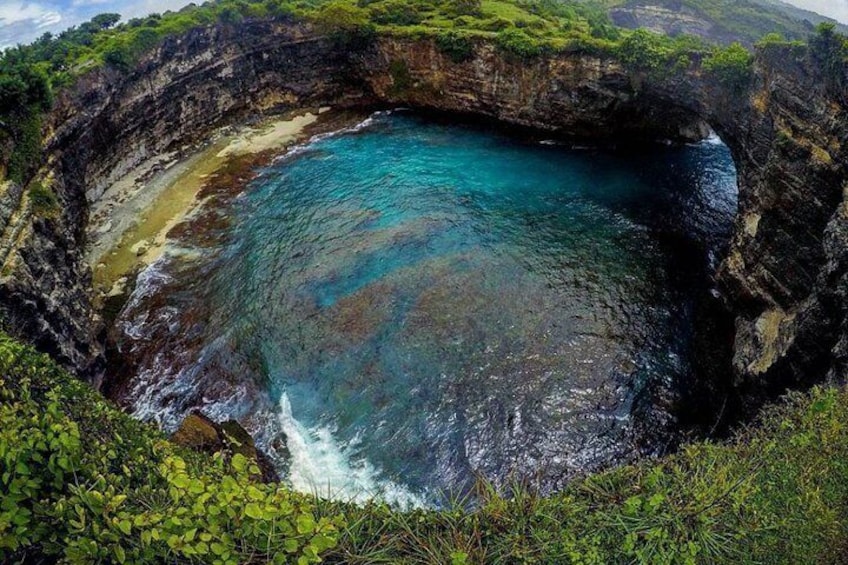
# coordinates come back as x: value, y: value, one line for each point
x: 79, y: 480
x: 732, y: 65
x: 82, y: 481
x: 43, y: 199
x: 830, y: 50
x: 455, y: 45
x: 524, y: 28
x: 745, y: 21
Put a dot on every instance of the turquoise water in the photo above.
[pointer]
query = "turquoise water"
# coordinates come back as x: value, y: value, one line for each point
x: 398, y: 308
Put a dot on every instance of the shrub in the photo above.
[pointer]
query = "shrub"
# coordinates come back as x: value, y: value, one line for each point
x: 397, y: 12
x: 82, y: 483
x: 347, y: 24
x: 465, y: 7
x: 43, y: 199
x: 516, y: 41
x: 119, y: 57
x: 26, y: 155
x: 829, y: 51
x: 731, y: 65
x: 494, y: 24
x: 458, y: 47
x: 642, y: 50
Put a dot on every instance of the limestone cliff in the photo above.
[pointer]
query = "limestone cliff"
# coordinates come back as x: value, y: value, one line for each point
x: 784, y: 279
x: 108, y: 123
x: 786, y: 132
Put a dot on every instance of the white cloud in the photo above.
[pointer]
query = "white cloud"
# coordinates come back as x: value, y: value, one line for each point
x: 22, y: 21
x: 38, y: 15
x: 836, y: 9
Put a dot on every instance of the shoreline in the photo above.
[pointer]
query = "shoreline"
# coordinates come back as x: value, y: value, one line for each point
x: 130, y: 223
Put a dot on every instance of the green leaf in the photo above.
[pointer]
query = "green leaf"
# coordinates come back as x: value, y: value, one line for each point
x: 253, y: 511
x: 217, y: 548
x: 305, y: 524
x: 239, y: 463
x: 125, y: 526
x: 322, y: 542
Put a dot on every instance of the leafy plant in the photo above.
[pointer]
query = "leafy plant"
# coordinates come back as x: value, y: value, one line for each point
x: 732, y: 65
x: 458, y: 47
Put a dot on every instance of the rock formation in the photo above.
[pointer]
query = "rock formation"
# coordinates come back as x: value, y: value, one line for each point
x: 784, y: 278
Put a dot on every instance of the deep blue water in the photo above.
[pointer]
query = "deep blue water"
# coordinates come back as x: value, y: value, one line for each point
x: 398, y: 308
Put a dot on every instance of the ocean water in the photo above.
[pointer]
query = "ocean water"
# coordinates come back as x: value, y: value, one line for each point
x: 397, y: 309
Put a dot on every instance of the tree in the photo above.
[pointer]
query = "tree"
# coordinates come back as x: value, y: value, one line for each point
x: 641, y: 50
x: 731, y: 65
x: 105, y: 21
x: 828, y: 50
x: 345, y: 23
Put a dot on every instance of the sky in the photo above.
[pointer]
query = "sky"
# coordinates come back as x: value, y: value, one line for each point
x: 22, y: 21
x: 836, y: 9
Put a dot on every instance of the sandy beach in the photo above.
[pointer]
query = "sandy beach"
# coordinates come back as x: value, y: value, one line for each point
x: 131, y: 221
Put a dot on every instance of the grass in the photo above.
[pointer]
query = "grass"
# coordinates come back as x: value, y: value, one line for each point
x: 527, y: 28
x: 775, y: 494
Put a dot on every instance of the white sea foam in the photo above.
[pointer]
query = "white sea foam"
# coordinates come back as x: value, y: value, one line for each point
x: 713, y: 139
x: 320, y: 465
x: 366, y: 123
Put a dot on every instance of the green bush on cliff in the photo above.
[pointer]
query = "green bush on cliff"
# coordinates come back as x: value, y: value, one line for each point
x: 397, y: 12
x: 43, y: 199
x: 83, y: 482
x: 519, y: 42
x: 732, y: 65
x: 829, y: 50
x: 346, y: 23
x: 458, y: 47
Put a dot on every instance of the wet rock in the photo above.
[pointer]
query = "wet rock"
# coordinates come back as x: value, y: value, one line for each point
x: 140, y: 248
x: 202, y: 434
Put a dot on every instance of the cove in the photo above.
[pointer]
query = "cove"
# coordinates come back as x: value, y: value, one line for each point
x: 397, y: 308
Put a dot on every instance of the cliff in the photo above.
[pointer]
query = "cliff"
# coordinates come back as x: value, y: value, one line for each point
x: 785, y: 130
x: 784, y: 278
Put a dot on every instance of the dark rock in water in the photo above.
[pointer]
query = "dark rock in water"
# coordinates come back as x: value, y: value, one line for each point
x: 200, y: 433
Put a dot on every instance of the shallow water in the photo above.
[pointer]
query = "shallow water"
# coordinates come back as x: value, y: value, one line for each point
x: 395, y: 309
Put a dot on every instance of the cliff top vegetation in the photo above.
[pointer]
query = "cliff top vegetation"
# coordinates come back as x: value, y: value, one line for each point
x: 30, y: 74
x: 83, y: 482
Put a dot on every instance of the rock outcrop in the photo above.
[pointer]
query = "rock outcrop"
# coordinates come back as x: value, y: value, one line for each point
x: 200, y: 433
x: 786, y: 132
x: 784, y: 278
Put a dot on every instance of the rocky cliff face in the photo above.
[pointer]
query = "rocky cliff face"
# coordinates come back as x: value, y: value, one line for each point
x: 784, y: 279
x: 109, y: 123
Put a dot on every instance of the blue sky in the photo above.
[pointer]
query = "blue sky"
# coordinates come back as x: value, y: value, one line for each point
x: 25, y: 20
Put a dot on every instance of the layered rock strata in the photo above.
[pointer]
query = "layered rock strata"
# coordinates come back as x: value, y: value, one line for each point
x: 784, y: 278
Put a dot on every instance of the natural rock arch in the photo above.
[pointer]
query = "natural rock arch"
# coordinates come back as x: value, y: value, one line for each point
x: 784, y: 277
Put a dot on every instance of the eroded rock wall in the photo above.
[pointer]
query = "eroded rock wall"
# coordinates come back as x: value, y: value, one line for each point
x: 108, y: 123
x: 785, y: 276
